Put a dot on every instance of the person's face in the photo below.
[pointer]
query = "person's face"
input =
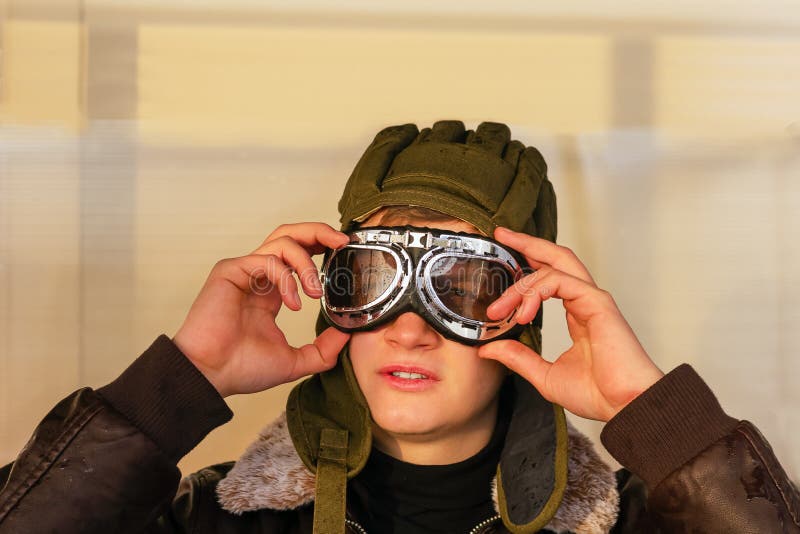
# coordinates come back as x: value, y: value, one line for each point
x: 459, y: 389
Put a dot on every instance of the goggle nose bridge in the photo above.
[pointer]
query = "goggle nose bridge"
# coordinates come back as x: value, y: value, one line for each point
x: 423, y: 240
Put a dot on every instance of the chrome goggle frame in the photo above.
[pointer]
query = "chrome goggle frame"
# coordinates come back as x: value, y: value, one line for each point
x: 414, y: 251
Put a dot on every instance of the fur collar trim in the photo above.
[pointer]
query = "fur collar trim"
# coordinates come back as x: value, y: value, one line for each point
x: 271, y: 475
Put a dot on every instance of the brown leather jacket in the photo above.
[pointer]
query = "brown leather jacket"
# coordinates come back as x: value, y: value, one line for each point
x: 106, y: 461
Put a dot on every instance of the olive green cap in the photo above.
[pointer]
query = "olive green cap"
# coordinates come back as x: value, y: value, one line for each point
x: 488, y: 180
x: 481, y: 177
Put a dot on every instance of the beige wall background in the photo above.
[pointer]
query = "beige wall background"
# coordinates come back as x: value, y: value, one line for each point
x: 142, y: 141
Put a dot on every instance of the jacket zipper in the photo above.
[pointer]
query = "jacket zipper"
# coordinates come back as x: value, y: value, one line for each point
x: 483, y: 524
x: 475, y: 530
x: 355, y: 525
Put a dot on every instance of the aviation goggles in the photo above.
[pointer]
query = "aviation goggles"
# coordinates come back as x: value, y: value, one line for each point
x: 448, y: 278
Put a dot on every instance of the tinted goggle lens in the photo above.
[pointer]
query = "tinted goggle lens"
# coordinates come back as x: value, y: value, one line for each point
x: 357, y: 277
x: 468, y: 286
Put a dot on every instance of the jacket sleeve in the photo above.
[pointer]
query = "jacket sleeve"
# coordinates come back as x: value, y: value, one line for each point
x: 692, y: 468
x: 106, y: 460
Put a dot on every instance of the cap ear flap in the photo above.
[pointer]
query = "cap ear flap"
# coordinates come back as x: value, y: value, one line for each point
x: 365, y: 181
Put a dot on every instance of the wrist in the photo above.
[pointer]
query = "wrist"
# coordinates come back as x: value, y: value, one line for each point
x: 666, y: 426
x: 213, y: 376
x: 643, y: 382
x: 166, y: 397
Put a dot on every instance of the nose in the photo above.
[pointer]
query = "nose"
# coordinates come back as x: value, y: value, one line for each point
x: 410, y: 331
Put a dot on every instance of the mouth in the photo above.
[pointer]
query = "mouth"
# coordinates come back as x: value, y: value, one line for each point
x: 409, y: 376
x: 406, y: 378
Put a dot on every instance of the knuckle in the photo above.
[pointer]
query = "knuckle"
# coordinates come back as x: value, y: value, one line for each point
x: 221, y: 264
x: 283, y: 241
x: 527, y: 281
x: 271, y: 260
x: 277, y: 232
x: 604, y: 296
x: 510, y: 354
x: 566, y: 252
x: 259, y: 283
x: 283, y: 273
x: 278, y: 271
x: 326, y: 364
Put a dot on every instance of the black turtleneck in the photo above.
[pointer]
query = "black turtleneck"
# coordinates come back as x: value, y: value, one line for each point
x: 390, y: 496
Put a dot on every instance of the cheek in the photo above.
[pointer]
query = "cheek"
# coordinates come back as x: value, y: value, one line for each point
x: 363, y: 349
x: 481, y: 378
x: 473, y: 383
x: 361, y: 344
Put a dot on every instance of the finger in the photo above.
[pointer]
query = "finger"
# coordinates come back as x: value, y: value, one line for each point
x: 241, y: 271
x: 521, y: 359
x: 513, y: 296
x: 580, y: 298
x: 320, y: 355
x: 528, y: 308
x: 314, y: 236
x: 297, y: 258
x: 259, y: 274
x: 282, y: 276
x: 540, y: 252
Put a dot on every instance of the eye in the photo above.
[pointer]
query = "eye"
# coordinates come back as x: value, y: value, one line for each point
x: 464, y: 292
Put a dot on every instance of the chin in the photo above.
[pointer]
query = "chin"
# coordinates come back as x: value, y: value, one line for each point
x: 406, y: 420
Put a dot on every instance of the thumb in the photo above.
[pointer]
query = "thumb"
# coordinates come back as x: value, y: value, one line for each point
x: 320, y: 355
x: 521, y: 359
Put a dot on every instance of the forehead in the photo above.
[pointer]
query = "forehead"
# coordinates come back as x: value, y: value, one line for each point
x: 453, y: 224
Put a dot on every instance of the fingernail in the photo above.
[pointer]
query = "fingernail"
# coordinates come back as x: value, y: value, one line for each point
x: 315, y: 282
x: 296, y: 300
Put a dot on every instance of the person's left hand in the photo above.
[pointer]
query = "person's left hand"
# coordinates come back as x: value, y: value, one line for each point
x: 605, y: 368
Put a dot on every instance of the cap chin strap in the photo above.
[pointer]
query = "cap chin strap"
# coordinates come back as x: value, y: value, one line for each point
x: 328, y: 420
x: 330, y: 505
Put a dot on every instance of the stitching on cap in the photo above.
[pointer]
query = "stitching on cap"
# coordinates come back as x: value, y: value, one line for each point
x: 431, y: 175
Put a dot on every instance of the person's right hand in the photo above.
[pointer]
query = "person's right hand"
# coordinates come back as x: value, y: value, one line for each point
x: 230, y: 333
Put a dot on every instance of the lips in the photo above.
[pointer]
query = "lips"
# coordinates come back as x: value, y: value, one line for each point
x: 408, y: 377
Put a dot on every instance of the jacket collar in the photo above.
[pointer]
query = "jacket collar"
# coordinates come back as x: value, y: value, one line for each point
x: 271, y: 475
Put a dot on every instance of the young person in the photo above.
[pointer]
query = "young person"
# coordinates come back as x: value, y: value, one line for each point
x: 429, y: 408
